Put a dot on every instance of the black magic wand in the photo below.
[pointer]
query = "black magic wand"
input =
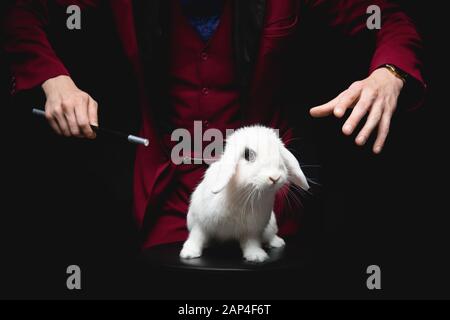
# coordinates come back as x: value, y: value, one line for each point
x: 128, y: 137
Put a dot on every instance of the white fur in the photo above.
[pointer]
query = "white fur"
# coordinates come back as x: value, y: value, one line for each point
x: 235, y: 199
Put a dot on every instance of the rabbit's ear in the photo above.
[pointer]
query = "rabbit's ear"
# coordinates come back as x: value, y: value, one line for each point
x: 225, y: 170
x: 296, y: 174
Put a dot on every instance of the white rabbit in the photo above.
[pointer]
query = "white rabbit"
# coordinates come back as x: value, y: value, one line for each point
x: 236, y: 197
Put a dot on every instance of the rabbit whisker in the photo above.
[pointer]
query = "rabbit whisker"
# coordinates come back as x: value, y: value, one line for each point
x: 313, y: 182
x: 296, y: 198
x: 310, y: 166
x: 302, y: 191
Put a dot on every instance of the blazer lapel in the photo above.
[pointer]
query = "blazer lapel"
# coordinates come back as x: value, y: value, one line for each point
x: 248, y: 25
x: 122, y: 11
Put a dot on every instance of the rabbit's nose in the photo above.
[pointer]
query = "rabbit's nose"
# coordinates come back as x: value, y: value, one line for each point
x: 274, y: 179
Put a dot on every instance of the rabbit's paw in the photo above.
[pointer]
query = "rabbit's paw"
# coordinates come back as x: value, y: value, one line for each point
x: 277, y: 242
x: 255, y: 255
x: 190, y: 252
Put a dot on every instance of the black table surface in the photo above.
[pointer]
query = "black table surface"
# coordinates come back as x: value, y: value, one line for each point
x: 226, y: 257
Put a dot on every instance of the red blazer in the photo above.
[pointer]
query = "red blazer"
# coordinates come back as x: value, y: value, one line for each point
x: 34, y: 61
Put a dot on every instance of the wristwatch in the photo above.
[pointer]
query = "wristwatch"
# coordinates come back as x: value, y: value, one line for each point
x: 396, y: 72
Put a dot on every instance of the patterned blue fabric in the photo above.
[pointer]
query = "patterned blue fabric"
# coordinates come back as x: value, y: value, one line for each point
x: 204, y: 15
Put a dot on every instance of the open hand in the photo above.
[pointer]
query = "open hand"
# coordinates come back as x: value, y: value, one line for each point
x: 375, y: 96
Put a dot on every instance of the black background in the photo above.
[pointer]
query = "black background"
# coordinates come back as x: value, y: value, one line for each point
x: 69, y: 201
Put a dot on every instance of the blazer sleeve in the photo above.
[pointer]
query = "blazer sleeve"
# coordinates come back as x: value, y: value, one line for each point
x: 30, y: 54
x: 397, y: 42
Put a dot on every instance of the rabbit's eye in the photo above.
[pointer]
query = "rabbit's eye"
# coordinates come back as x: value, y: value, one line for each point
x: 249, y: 155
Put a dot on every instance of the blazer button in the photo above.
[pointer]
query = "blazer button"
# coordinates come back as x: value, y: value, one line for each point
x: 205, y: 91
x: 205, y: 123
x: 204, y: 56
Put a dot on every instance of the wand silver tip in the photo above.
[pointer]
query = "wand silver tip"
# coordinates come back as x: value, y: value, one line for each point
x: 138, y: 140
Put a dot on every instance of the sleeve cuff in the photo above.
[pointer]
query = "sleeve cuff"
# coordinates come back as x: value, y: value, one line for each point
x: 414, y: 92
x: 25, y: 80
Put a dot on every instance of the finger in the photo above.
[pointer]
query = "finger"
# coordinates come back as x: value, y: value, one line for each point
x: 372, y: 122
x: 82, y: 119
x: 347, y: 100
x: 69, y: 115
x: 52, y: 121
x: 92, y: 112
x: 324, y: 110
x: 359, y: 111
x: 383, y: 132
x: 58, y: 115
